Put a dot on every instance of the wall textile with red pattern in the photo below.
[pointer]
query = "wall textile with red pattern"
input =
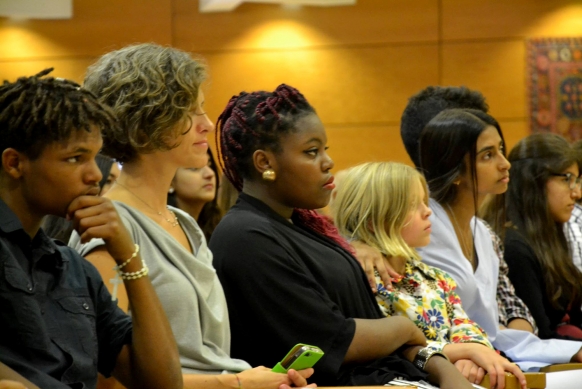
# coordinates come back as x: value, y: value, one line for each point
x: 555, y: 86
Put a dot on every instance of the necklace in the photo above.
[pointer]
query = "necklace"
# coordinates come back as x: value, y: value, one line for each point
x: 173, y: 223
x: 467, y: 247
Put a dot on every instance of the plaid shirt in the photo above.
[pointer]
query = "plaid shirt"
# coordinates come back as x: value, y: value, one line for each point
x: 573, y: 232
x: 510, y: 306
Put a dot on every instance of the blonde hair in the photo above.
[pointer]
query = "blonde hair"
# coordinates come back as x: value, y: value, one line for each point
x: 373, y: 204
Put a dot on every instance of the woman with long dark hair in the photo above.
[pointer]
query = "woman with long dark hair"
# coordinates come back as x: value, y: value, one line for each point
x: 194, y: 190
x: 544, y: 188
x: 463, y: 159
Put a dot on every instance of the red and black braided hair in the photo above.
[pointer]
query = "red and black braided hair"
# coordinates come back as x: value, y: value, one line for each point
x: 258, y: 120
x: 253, y: 121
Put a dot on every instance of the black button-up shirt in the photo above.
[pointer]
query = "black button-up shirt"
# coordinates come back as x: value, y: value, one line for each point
x: 58, y: 325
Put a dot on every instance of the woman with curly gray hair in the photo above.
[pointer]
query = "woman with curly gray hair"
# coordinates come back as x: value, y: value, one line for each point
x: 156, y: 94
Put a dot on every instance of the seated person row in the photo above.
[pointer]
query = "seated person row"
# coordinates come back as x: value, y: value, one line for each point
x: 463, y: 158
x: 424, y: 106
x: 142, y: 206
x: 385, y: 205
x: 287, y: 275
x: 58, y: 325
x: 156, y: 95
x: 543, y: 190
x: 449, y: 152
x: 133, y: 180
x: 421, y: 108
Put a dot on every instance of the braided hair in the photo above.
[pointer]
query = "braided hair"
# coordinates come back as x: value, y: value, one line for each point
x: 36, y: 111
x: 258, y: 120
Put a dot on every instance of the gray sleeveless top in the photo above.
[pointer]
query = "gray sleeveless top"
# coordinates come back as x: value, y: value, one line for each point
x: 188, y: 289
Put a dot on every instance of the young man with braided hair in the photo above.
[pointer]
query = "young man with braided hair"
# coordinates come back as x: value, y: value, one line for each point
x: 58, y: 324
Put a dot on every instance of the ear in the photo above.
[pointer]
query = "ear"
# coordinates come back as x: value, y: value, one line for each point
x: 264, y: 160
x: 13, y: 163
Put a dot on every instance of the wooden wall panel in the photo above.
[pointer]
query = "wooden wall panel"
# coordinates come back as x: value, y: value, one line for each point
x: 350, y: 146
x: 73, y: 69
x: 513, y: 131
x: 493, y: 19
x: 346, y: 86
x: 272, y: 27
x: 97, y: 27
x: 356, y: 64
x: 496, y: 68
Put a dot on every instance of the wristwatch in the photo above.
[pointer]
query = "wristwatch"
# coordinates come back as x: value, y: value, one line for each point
x: 424, y: 354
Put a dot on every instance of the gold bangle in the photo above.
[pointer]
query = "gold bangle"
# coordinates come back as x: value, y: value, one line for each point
x: 119, y: 267
x: 239, y: 383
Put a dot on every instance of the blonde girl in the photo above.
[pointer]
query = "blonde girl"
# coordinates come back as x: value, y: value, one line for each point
x: 385, y: 205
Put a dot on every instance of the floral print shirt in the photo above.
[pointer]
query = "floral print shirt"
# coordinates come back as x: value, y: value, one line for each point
x: 427, y: 296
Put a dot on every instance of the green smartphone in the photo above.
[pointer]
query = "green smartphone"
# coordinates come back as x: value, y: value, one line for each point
x: 301, y: 356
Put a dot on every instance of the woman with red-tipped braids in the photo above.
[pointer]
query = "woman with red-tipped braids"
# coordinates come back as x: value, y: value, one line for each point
x: 156, y: 95
x: 287, y: 274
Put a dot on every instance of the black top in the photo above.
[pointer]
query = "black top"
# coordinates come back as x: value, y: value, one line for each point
x: 527, y: 276
x: 286, y: 284
x: 58, y: 325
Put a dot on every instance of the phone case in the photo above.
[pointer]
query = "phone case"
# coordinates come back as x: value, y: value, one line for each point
x: 301, y: 356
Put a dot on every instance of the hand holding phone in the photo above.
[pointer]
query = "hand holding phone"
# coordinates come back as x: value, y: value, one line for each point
x: 301, y: 356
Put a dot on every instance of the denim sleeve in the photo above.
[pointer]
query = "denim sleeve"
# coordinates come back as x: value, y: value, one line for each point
x: 114, y: 327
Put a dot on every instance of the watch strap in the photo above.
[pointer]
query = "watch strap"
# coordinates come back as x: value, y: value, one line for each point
x: 424, y: 355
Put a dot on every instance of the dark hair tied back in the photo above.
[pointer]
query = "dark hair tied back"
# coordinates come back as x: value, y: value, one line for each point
x: 256, y: 120
x: 444, y: 143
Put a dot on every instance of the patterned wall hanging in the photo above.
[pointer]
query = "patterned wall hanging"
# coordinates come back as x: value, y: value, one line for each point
x: 555, y: 86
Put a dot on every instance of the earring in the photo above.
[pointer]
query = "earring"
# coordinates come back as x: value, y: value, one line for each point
x: 457, y: 183
x: 269, y: 175
x: 171, y: 190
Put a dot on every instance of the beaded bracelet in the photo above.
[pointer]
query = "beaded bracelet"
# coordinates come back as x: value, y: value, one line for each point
x: 119, y: 267
x: 136, y: 274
